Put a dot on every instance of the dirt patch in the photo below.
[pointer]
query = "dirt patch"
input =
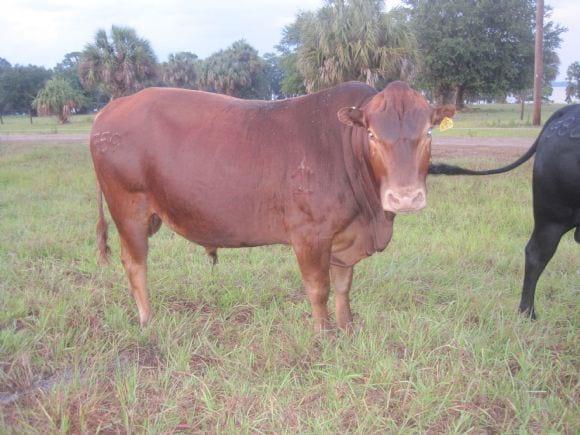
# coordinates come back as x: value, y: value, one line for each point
x: 45, y: 384
x: 146, y: 356
x: 503, y: 147
x: 241, y: 315
x: 497, y: 413
x: 179, y: 305
x: 200, y: 363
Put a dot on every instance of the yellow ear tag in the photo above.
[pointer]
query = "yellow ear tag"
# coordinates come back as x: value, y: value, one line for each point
x: 446, y: 124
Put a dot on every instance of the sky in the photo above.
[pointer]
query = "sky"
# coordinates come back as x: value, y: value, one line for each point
x: 41, y: 32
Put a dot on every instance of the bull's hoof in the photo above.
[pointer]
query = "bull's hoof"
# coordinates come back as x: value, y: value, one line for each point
x: 144, y: 319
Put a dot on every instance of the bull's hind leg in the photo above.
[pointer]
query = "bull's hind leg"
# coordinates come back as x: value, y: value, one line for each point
x: 539, y: 251
x: 134, y: 257
x: 135, y: 223
x: 342, y: 280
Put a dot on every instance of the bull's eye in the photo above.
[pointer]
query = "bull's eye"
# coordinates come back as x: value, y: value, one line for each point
x: 429, y: 132
x: 371, y: 135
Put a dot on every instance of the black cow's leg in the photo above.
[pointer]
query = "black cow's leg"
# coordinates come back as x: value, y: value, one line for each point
x: 342, y: 280
x: 539, y: 251
x: 314, y: 261
x: 577, y: 234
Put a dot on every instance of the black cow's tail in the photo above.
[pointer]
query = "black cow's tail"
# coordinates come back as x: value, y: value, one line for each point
x: 104, y: 250
x: 444, y: 169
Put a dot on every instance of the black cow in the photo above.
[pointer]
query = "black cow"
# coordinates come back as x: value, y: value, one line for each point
x: 556, y: 192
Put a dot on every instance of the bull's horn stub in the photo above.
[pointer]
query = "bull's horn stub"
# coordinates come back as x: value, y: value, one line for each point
x: 446, y: 124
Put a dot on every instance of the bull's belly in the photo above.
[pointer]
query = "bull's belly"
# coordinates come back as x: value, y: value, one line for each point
x: 221, y: 224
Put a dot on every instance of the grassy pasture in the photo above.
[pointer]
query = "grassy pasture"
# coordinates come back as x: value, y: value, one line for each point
x: 46, y: 125
x: 490, y: 120
x: 497, y: 120
x: 439, y: 346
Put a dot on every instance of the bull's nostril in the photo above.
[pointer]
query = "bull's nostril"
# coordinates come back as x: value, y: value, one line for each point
x: 393, y: 199
x: 419, y: 198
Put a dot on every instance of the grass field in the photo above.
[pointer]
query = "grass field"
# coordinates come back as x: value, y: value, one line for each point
x: 438, y: 345
x: 490, y: 120
x: 497, y: 120
x: 46, y: 125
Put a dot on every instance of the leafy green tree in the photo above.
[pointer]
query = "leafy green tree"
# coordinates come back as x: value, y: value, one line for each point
x: 573, y: 79
x: 552, y: 42
x: 20, y: 85
x: 351, y: 40
x: 292, y: 82
x: 522, y: 83
x: 274, y: 75
x: 4, y: 67
x: 119, y: 65
x: 68, y: 69
x: 237, y: 71
x: 479, y: 47
x: 58, y: 97
x: 181, y: 70
x: 469, y: 46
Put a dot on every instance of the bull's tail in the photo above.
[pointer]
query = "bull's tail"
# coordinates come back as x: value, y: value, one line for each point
x: 104, y: 250
x: 443, y: 169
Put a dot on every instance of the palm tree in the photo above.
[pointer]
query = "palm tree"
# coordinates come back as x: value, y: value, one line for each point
x: 181, y: 70
x: 119, y: 66
x: 236, y: 71
x: 57, y: 97
x: 352, y: 40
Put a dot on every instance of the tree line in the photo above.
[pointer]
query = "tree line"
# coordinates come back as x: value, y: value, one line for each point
x: 454, y: 50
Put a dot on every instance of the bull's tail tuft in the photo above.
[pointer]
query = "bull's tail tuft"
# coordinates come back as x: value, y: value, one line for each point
x: 104, y: 250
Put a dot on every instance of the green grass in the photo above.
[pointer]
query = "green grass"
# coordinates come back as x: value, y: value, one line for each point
x: 438, y: 345
x: 46, y: 125
x: 497, y: 120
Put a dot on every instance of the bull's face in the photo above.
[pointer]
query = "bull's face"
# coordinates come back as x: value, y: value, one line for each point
x: 399, y: 141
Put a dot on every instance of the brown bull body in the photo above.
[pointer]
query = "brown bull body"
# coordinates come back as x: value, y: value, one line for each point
x: 229, y: 173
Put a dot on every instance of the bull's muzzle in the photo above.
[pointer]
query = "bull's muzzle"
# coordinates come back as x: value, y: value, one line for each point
x: 406, y: 202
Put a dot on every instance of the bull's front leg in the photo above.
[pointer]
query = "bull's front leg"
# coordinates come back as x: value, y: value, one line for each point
x: 342, y: 280
x: 314, y: 260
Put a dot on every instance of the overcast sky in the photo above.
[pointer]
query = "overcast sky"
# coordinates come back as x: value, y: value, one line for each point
x: 41, y: 32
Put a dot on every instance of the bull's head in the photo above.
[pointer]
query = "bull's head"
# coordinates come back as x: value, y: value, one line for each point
x: 398, y: 122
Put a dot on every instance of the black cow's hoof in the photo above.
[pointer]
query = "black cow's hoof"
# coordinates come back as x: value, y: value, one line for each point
x: 528, y: 312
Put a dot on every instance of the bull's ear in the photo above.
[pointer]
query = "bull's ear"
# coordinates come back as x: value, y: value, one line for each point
x: 441, y: 112
x: 352, y: 117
